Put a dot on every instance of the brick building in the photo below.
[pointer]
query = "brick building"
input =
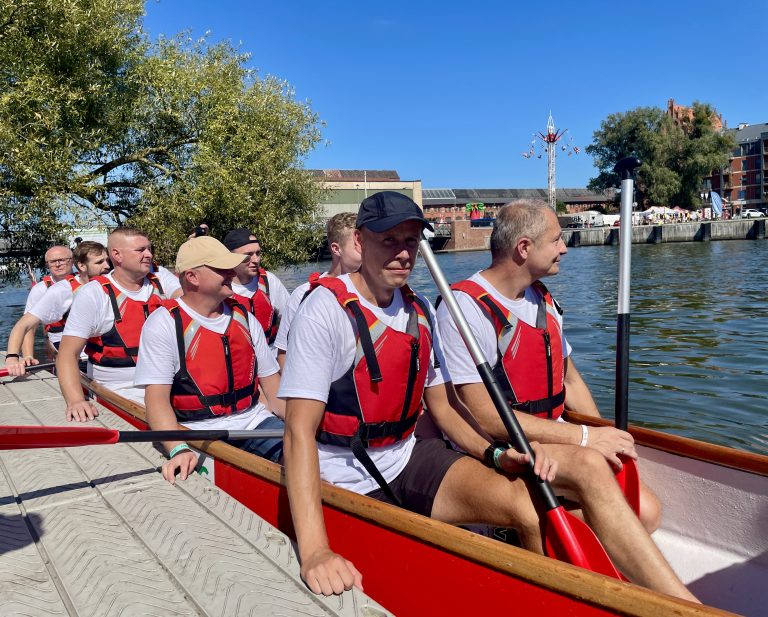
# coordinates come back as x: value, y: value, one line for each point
x: 743, y: 183
x: 455, y: 204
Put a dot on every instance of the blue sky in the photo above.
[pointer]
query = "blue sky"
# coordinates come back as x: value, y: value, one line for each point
x: 451, y: 92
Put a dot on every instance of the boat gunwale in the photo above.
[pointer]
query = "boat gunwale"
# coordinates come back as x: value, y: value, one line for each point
x: 581, y: 585
x: 684, y: 446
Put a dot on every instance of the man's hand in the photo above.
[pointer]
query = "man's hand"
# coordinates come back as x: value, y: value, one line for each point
x: 611, y: 442
x: 15, y: 366
x: 81, y: 411
x: 544, y: 467
x: 327, y: 573
x: 184, y: 463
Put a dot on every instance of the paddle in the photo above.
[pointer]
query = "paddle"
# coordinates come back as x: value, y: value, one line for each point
x: 628, y: 477
x: 567, y: 538
x: 23, y: 437
x: 31, y: 368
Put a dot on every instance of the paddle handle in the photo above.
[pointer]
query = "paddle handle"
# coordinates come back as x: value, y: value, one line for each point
x: 31, y: 369
x: 518, y: 439
x: 197, y: 435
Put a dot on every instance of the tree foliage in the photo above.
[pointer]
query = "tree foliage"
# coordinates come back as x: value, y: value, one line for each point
x: 98, y: 123
x: 675, y: 157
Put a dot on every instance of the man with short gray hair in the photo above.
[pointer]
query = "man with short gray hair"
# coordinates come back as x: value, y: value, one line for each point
x: 519, y: 328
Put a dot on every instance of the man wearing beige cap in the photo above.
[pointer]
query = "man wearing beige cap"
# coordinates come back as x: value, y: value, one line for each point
x: 203, y: 359
x: 105, y: 319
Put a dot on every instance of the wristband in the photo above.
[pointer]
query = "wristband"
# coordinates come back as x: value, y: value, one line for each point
x: 180, y: 448
x: 584, y: 435
x: 12, y: 355
x: 493, y: 452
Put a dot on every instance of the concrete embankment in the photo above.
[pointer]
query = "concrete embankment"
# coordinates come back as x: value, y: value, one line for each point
x: 463, y: 237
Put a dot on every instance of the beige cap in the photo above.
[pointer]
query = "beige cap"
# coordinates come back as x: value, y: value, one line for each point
x: 206, y: 251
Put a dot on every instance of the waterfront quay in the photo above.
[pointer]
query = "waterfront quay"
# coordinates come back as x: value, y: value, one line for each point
x: 462, y: 236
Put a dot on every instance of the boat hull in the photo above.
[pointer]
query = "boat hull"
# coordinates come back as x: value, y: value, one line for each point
x: 414, y: 565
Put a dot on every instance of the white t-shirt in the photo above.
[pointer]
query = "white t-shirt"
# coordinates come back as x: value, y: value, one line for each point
x: 159, y: 361
x: 91, y: 316
x: 320, y: 350
x: 168, y: 280
x: 460, y: 364
x: 53, y: 305
x: 281, y: 340
x: 37, y: 292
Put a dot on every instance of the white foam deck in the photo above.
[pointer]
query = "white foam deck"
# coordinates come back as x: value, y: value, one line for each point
x: 96, y: 531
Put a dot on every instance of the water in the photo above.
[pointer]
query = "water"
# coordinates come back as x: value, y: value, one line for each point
x: 699, y: 331
x: 698, y: 364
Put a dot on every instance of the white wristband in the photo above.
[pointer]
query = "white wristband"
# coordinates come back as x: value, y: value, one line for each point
x: 584, y: 435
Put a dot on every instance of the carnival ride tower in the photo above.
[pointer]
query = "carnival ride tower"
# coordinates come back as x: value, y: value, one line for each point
x: 549, y: 141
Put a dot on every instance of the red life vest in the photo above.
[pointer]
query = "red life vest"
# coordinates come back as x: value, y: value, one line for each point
x: 120, y: 346
x: 47, y: 280
x: 529, y: 365
x: 218, y: 372
x: 378, y: 400
x: 261, y: 306
x: 58, y: 326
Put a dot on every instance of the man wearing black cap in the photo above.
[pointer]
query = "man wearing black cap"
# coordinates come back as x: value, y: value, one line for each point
x: 255, y: 288
x: 361, y: 356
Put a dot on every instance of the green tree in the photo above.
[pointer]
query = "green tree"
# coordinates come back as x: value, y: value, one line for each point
x: 675, y: 157
x: 98, y: 123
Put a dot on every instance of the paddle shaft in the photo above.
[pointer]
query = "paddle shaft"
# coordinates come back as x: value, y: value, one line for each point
x: 626, y: 168
x: 486, y: 374
x: 24, y: 437
x: 31, y: 369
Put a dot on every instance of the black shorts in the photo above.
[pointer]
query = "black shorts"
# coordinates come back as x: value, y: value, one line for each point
x: 417, y: 484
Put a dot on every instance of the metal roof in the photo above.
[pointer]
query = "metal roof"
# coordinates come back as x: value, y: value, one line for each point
x: 356, y: 175
x: 502, y: 196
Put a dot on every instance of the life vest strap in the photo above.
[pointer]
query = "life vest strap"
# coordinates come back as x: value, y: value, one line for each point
x: 365, y: 340
x: 368, y: 431
x: 227, y: 399
x: 541, y: 405
x: 358, y: 449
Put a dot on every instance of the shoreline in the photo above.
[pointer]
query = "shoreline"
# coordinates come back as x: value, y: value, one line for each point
x: 464, y: 238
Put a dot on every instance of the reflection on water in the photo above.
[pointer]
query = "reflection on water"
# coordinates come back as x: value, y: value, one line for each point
x: 699, y: 331
x: 699, y: 325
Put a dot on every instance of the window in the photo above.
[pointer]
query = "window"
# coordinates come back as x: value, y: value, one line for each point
x: 742, y: 195
x: 744, y: 180
x: 744, y: 164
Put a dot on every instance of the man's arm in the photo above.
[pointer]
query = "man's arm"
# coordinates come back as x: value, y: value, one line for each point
x: 68, y: 372
x: 323, y: 570
x: 448, y: 419
x: 578, y: 398
x: 161, y: 417
x: 16, y: 341
x: 607, y: 439
x: 269, y: 386
x: 28, y: 344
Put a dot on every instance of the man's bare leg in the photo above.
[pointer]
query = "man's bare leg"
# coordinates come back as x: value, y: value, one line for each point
x: 587, y: 477
x: 473, y: 493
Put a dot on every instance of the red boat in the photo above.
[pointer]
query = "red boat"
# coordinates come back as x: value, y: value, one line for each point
x: 715, y: 534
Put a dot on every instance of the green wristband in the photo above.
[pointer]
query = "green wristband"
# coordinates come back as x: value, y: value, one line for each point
x: 496, y: 455
x: 180, y: 448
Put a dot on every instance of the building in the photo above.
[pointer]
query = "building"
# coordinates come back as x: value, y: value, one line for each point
x: 447, y: 205
x: 743, y: 183
x: 346, y: 188
x: 682, y: 114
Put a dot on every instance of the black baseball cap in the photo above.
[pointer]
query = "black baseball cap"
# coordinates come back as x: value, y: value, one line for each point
x: 239, y: 237
x: 382, y: 211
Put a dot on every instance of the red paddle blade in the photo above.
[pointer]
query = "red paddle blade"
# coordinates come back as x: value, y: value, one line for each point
x: 571, y: 540
x: 21, y: 437
x: 629, y: 482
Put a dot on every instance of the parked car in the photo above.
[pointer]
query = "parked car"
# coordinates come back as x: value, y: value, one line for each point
x: 751, y: 213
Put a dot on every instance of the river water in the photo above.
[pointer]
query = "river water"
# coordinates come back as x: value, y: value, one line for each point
x: 699, y: 331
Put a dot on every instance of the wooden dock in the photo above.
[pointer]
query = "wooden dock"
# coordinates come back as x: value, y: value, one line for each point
x: 96, y: 531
